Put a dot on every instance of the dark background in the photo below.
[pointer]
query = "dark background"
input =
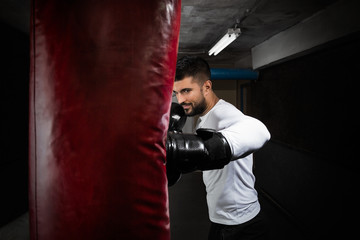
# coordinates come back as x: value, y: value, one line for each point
x: 305, y: 175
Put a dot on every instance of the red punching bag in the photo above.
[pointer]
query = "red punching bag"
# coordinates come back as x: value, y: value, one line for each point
x: 100, y: 91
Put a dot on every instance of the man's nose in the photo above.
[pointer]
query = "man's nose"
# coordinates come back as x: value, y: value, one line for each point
x: 180, y: 98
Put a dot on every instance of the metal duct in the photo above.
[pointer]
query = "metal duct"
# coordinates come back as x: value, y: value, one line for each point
x: 233, y: 74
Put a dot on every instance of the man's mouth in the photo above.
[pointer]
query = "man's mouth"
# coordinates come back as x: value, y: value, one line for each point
x: 186, y: 106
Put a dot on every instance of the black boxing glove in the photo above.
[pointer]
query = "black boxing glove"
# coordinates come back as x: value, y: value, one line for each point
x: 176, y: 123
x: 177, y: 118
x: 206, y: 150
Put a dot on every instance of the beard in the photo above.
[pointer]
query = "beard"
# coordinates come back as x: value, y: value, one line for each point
x: 196, y: 108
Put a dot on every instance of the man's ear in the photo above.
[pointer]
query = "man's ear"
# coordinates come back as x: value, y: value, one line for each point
x: 207, y: 85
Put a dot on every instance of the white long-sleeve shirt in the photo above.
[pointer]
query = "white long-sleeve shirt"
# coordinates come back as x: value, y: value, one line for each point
x: 231, y: 196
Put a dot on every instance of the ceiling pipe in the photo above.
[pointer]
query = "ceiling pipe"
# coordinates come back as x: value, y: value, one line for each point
x: 233, y: 74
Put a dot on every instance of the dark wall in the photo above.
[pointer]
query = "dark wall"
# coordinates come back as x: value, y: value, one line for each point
x: 14, y: 123
x: 308, y: 169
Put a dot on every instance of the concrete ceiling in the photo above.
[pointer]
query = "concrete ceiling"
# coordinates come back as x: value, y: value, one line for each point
x: 203, y: 22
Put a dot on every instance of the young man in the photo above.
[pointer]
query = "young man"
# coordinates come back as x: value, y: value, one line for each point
x: 232, y: 199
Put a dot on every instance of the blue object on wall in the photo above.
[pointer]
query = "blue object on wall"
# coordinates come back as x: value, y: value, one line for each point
x: 233, y: 74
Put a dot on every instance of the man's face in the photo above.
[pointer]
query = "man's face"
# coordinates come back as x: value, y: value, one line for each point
x: 190, y: 96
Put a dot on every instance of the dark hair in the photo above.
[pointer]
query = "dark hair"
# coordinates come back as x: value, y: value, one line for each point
x: 191, y: 66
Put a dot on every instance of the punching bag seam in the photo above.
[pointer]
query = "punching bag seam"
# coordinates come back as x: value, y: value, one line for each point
x: 34, y: 114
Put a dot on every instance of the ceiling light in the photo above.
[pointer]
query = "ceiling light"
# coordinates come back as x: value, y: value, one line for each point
x: 228, y: 38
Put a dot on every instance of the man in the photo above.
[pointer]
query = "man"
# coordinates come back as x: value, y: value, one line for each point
x: 225, y: 153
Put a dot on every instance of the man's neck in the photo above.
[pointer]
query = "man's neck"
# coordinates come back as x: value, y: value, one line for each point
x: 213, y: 99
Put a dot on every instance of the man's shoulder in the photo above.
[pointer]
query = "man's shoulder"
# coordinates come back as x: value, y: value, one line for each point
x: 224, y: 107
x: 226, y: 114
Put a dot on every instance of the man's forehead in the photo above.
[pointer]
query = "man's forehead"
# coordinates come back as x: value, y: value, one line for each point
x: 184, y: 83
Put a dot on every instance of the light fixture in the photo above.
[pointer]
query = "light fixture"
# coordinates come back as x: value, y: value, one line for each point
x: 228, y: 38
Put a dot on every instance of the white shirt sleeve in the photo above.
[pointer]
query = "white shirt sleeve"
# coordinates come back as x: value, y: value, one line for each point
x: 246, y: 136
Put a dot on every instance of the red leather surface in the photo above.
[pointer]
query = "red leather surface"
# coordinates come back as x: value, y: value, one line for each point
x: 100, y: 91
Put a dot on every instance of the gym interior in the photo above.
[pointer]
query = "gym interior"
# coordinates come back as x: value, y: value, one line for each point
x: 304, y: 92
